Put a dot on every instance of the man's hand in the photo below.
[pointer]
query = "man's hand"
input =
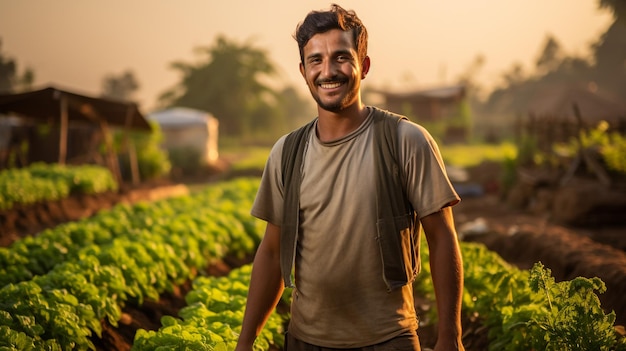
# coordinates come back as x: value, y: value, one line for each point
x: 449, y: 345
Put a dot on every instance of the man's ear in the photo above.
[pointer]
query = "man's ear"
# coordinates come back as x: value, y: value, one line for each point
x: 302, y: 70
x: 365, y: 67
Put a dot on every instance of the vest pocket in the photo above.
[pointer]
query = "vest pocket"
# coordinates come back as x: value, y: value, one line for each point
x: 398, y: 251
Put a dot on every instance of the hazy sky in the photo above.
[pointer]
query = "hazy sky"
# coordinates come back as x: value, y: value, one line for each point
x: 73, y: 44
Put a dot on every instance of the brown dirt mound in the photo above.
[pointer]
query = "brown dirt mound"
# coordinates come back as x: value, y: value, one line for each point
x: 524, y: 239
x: 26, y: 220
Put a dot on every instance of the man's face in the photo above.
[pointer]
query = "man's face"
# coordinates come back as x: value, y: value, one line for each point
x: 332, y: 69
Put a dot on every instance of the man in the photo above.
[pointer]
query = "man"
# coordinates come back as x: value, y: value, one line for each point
x: 343, y: 297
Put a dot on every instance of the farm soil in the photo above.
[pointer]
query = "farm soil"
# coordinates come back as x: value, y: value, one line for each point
x: 520, y: 237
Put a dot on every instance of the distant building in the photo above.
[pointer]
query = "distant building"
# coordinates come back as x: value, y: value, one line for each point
x: 58, y: 125
x: 442, y: 104
x: 187, y: 130
x: 558, y: 115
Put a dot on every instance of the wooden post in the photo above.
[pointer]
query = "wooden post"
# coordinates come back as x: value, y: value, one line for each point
x: 130, y: 145
x: 134, y: 166
x: 588, y: 155
x: 111, y: 157
x: 63, y: 130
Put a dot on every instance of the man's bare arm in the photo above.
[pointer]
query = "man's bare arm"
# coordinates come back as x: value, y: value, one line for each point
x: 447, y: 273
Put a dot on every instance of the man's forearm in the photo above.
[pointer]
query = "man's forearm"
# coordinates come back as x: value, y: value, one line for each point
x: 263, y: 295
x: 446, y: 268
x: 447, y: 275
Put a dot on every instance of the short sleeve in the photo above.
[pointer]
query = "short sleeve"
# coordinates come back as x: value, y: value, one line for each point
x: 427, y: 183
x: 268, y: 203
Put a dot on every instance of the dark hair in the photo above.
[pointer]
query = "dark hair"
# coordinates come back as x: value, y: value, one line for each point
x: 336, y: 18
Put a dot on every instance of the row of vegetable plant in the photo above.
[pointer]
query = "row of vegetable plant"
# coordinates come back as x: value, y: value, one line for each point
x: 183, y: 222
x: 63, y: 282
x: 45, y: 182
x: 523, y: 309
x: 526, y: 309
x: 212, y: 318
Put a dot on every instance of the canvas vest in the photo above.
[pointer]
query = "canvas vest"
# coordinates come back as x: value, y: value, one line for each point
x: 397, y: 224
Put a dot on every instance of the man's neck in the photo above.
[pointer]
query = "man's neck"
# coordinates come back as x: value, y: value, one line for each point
x: 335, y: 125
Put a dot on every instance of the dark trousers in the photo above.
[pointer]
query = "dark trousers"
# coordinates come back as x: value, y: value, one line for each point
x: 404, y: 342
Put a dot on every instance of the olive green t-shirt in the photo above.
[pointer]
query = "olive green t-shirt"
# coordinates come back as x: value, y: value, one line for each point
x: 340, y: 299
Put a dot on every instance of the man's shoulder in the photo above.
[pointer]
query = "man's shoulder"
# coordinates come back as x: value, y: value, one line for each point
x: 382, y: 113
x: 278, y: 144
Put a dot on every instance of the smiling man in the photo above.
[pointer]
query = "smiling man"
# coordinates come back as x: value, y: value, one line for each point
x: 333, y: 70
x: 345, y: 198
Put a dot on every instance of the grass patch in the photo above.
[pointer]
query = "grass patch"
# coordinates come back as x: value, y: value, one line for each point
x: 469, y: 155
x: 460, y: 155
x: 246, y: 158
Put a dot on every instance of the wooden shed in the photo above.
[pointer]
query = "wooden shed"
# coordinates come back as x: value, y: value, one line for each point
x: 426, y: 104
x: 437, y: 105
x: 75, y: 125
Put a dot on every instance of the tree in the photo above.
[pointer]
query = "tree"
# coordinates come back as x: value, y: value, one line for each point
x: 297, y: 110
x: 606, y: 72
x: 551, y: 56
x: 10, y: 80
x: 618, y: 7
x: 610, y: 51
x: 469, y: 79
x: 121, y: 87
x: 515, y: 76
x: 228, y: 82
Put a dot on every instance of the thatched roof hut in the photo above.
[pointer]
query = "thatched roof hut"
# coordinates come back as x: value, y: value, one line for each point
x: 557, y: 115
x: 558, y: 105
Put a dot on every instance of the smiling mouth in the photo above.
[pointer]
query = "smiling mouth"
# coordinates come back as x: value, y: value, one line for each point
x: 330, y: 85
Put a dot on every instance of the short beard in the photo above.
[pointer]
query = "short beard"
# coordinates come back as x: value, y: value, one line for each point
x: 337, y: 106
x: 334, y: 107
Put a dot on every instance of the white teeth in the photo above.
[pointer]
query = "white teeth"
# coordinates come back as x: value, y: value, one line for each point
x: 330, y: 85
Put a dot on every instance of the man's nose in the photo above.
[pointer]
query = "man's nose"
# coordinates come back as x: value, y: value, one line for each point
x: 328, y: 69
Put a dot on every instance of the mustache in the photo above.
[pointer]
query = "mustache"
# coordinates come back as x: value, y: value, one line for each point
x: 334, y: 79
